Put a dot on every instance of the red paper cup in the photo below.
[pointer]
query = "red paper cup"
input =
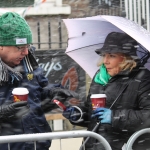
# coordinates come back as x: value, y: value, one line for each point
x: 20, y: 94
x: 98, y: 100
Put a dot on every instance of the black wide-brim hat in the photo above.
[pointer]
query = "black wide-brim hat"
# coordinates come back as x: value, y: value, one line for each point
x: 117, y: 42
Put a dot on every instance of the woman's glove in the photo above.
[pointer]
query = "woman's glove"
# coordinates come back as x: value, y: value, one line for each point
x: 10, y: 112
x: 74, y: 114
x: 102, y: 114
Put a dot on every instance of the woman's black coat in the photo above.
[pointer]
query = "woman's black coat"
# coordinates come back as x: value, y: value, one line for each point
x: 130, y: 113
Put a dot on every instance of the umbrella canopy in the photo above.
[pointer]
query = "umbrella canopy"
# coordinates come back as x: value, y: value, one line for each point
x: 85, y: 35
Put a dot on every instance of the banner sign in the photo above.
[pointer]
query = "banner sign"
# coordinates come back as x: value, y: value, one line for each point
x: 59, y: 68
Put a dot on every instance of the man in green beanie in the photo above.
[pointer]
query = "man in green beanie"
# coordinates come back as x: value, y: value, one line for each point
x: 18, y: 68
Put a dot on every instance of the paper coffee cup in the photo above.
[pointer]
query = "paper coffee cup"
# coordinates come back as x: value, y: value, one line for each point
x: 98, y: 100
x: 20, y: 94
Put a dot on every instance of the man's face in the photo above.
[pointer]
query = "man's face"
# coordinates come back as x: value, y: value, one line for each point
x: 112, y: 62
x: 12, y: 55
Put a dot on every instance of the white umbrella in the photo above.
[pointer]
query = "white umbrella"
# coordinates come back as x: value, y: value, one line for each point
x: 85, y: 35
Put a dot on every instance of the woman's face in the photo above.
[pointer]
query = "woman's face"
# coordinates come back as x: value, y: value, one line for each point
x: 112, y: 62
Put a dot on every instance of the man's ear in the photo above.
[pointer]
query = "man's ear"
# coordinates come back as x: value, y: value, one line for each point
x: 1, y: 50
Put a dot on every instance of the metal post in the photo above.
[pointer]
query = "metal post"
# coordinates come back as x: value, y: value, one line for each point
x: 135, y: 10
x: 49, y: 34
x: 143, y: 9
x: 139, y: 12
x: 148, y: 14
x: 126, y: 9
x: 120, y: 3
x: 130, y: 10
x: 60, y: 36
x: 99, y: 1
x: 38, y: 32
x: 109, y: 3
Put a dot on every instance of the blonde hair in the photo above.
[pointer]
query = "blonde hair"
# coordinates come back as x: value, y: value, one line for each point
x: 128, y: 63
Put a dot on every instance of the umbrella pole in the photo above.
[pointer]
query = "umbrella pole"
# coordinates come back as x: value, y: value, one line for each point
x: 94, y: 129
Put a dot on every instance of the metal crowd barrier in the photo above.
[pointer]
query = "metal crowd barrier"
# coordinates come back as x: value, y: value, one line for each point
x: 53, y: 135
x: 134, y: 137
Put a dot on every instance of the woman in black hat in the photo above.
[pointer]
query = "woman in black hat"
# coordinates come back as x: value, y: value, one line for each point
x: 126, y: 84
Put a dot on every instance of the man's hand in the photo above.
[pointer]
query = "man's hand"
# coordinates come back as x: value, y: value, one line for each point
x: 12, y: 111
x: 59, y: 94
x: 62, y: 94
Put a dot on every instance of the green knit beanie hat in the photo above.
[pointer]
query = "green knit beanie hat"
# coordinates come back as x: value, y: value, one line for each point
x: 14, y: 30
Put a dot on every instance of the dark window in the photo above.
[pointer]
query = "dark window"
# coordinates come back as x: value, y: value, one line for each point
x: 16, y: 3
x: 105, y: 3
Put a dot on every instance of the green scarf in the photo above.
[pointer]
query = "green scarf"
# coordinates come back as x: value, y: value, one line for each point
x: 102, y: 77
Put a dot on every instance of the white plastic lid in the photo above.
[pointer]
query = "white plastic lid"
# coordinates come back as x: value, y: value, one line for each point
x: 98, y: 96
x: 20, y: 91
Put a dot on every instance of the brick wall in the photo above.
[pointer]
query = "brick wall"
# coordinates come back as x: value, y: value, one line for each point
x: 79, y: 9
x: 46, y: 35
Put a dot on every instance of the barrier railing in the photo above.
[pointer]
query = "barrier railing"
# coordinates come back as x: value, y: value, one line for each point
x: 53, y: 135
x: 132, y: 139
x: 68, y: 134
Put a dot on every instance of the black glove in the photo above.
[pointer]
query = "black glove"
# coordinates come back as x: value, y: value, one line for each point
x: 9, y: 112
x: 57, y: 93
x: 74, y: 114
x: 48, y: 105
x: 62, y: 94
